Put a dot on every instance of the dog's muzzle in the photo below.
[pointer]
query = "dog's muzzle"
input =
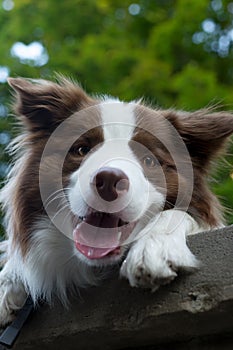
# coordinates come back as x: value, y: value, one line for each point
x: 100, y: 234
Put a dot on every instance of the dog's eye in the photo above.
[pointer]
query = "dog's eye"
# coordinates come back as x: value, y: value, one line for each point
x: 83, y: 150
x: 77, y: 150
x: 150, y: 162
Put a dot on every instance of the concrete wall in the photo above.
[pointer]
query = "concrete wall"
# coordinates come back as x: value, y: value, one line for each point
x: 193, y: 312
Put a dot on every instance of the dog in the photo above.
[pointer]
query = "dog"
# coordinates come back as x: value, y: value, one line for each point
x: 97, y: 182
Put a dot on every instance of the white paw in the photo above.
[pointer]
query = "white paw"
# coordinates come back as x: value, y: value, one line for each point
x: 12, y: 298
x: 154, y: 261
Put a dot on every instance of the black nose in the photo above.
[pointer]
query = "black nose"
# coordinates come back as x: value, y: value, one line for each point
x: 110, y: 183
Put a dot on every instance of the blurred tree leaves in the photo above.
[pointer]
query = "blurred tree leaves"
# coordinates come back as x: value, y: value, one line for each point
x: 173, y: 53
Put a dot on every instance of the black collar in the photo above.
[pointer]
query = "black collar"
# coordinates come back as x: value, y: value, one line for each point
x: 9, y: 335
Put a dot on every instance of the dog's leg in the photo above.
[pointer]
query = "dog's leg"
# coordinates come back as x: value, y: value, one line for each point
x: 155, y: 257
x: 12, y: 293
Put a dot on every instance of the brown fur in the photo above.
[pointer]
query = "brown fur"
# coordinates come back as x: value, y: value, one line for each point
x: 204, y: 133
x: 42, y: 107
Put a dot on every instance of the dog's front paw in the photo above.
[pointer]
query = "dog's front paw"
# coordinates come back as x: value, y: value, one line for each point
x: 143, y: 276
x: 147, y: 270
x: 154, y: 262
x: 12, y: 298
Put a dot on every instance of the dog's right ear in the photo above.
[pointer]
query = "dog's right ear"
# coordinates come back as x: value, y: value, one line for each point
x: 44, y: 104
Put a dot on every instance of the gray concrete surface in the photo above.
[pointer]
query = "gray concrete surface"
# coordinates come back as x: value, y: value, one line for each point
x: 192, y: 312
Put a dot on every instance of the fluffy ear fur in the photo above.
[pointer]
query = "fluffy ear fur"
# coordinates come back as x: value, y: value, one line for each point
x: 204, y: 133
x: 43, y: 104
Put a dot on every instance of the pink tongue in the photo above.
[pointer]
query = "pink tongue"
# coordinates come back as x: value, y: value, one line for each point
x: 93, y: 253
x: 97, y: 236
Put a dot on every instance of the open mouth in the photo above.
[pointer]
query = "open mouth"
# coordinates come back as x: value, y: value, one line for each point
x: 100, y: 234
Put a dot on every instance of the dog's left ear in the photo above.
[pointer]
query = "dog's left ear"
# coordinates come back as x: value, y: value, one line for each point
x: 44, y: 104
x: 204, y: 132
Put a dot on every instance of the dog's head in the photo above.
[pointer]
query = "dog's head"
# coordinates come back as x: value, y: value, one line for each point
x: 101, y: 169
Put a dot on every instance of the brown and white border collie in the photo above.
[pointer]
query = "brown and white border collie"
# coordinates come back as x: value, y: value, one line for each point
x: 97, y: 182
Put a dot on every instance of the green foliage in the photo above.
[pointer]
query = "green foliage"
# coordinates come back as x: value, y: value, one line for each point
x: 161, y: 50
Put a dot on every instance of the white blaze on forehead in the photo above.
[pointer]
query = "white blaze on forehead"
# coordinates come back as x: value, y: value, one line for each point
x: 118, y: 123
x: 118, y: 120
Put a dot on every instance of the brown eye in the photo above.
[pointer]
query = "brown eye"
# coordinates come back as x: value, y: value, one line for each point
x: 150, y: 162
x: 83, y: 150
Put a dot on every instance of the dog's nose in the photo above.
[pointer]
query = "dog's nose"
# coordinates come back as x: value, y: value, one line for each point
x: 110, y: 183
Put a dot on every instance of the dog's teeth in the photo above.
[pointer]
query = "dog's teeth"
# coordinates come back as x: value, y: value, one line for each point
x: 90, y: 252
x: 119, y: 235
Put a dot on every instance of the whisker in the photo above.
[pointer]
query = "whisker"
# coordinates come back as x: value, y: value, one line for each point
x: 52, y: 194
x: 54, y: 199
x: 59, y: 211
x: 58, y: 194
x: 66, y: 217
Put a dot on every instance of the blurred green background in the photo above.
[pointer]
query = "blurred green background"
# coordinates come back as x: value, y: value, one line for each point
x: 174, y: 53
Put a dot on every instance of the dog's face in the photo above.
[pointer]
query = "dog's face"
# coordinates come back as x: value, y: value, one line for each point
x: 101, y: 170
x: 112, y: 191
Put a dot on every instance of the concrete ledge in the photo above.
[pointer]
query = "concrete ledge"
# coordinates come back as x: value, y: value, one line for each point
x: 194, y: 311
